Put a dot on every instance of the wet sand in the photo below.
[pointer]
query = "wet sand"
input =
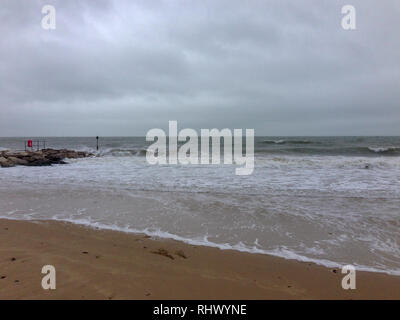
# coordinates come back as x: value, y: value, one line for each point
x: 101, y: 264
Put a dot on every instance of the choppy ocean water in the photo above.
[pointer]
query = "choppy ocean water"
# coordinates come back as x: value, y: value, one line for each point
x: 330, y: 200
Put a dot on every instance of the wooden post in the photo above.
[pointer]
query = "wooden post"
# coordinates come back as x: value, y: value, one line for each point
x: 97, y: 140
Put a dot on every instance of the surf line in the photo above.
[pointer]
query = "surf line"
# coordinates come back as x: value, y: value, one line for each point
x: 161, y: 152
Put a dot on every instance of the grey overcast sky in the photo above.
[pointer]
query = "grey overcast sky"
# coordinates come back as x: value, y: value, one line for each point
x: 120, y: 68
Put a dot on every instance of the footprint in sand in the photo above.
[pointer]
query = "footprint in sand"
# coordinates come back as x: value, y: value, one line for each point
x: 181, y: 254
x: 164, y: 253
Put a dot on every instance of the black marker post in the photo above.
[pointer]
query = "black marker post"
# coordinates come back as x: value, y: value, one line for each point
x: 97, y: 140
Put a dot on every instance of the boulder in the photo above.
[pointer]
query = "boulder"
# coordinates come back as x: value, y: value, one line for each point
x: 39, y: 162
x: 18, y: 161
x: 72, y: 155
x: 14, y: 154
x: 5, y: 163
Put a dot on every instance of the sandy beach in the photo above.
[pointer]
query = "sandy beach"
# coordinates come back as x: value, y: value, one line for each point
x: 200, y: 150
x: 101, y: 264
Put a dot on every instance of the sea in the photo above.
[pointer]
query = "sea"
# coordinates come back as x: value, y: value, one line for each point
x: 329, y: 200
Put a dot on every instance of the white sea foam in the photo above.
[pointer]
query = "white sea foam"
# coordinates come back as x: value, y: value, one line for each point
x: 384, y: 149
x: 282, y: 252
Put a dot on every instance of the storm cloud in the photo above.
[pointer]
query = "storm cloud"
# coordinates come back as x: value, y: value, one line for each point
x: 120, y: 68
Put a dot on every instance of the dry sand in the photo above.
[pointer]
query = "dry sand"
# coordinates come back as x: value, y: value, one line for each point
x: 98, y: 264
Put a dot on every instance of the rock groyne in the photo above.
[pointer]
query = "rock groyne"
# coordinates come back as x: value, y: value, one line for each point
x: 45, y: 157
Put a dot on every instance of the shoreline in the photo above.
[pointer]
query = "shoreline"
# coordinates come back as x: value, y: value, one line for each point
x: 106, y: 264
x: 223, y: 247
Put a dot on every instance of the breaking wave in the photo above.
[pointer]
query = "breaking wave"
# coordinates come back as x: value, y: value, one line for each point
x: 333, y: 151
x: 123, y: 152
x: 310, y: 150
x: 392, y: 150
x: 287, y: 141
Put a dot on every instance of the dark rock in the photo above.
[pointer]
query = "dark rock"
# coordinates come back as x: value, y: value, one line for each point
x: 18, y: 161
